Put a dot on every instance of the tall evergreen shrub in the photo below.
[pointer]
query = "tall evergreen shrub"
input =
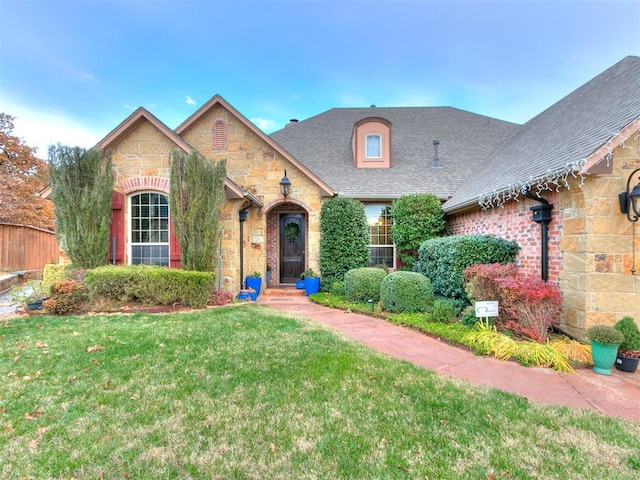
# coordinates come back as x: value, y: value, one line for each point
x: 416, y: 218
x: 82, y: 182
x: 443, y: 260
x: 196, y: 200
x: 344, y: 238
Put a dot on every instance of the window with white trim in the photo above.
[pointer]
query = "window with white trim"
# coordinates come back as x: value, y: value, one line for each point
x: 373, y: 145
x: 381, y: 248
x: 149, y: 229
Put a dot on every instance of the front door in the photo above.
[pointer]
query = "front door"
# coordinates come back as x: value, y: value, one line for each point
x: 292, y: 246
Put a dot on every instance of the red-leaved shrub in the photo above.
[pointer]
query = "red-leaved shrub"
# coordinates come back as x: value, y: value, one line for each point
x: 219, y: 298
x: 529, y: 306
x: 66, y: 296
x: 480, y: 280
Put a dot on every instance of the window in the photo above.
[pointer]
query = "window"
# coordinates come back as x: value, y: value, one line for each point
x: 373, y: 146
x: 382, y: 250
x: 150, y: 229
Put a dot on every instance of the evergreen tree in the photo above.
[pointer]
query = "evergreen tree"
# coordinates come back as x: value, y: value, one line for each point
x: 82, y: 182
x: 196, y: 201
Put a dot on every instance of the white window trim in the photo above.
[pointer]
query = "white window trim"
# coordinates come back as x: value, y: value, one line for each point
x: 129, y: 232
x: 380, y: 148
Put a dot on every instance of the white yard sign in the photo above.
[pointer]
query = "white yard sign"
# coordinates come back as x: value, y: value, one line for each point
x: 486, y: 309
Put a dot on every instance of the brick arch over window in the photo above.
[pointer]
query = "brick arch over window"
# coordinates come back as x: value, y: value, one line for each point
x: 117, y: 245
x: 135, y: 184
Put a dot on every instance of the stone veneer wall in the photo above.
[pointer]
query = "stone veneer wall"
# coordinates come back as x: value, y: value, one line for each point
x: 513, y: 221
x: 254, y: 165
x: 596, y: 281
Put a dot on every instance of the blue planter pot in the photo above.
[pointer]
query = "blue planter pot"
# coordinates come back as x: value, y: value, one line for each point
x: 243, y: 295
x: 604, y: 356
x: 255, y: 283
x: 300, y: 284
x: 311, y: 285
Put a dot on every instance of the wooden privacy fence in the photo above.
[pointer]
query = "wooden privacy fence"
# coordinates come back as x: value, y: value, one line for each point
x: 26, y: 248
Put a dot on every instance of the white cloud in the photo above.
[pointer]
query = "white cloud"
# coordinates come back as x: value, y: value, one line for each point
x: 190, y: 100
x: 264, y: 124
x: 41, y: 129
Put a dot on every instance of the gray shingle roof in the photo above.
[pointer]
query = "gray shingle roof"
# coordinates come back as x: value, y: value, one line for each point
x: 323, y: 144
x: 561, y: 136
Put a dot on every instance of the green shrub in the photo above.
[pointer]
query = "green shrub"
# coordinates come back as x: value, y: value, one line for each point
x: 445, y: 310
x: 444, y: 259
x: 605, y: 334
x: 337, y: 288
x: 151, y: 284
x: 627, y: 326
x: 363, y: 284
x: 54, y: 273
x: 416, y: 218
x: 344, y: 238
x: 406, y: 292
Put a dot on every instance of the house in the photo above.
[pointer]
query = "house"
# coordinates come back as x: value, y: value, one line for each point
x: 571, y: 161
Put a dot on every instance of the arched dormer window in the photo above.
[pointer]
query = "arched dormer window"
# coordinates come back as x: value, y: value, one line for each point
x: 219, y: 135
x: 371, y: 143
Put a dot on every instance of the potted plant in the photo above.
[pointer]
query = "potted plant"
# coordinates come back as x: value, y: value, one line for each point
x: 254, y: 282
x: 629, y: 350
x: 604, y: 346
x: 311, y: 281
x: 30, y: 293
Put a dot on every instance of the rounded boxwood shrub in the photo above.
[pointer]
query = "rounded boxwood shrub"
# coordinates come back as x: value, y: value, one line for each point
x: 407, y: 292
x: 363, y: 284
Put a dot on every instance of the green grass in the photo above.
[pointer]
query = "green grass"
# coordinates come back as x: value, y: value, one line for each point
x: 249, y: 393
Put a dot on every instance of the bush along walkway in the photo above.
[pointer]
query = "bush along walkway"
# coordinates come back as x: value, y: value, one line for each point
x: 614, y: 395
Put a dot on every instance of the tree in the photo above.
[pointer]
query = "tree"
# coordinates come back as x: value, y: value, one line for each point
x: 22, y: 177
x: 82, y: 182
x: 344, y: 238
x: 416, y: 218
x: 196, y: 200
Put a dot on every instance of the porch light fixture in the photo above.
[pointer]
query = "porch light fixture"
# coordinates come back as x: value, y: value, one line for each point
x: 630, y: 200
x: 285, y: 185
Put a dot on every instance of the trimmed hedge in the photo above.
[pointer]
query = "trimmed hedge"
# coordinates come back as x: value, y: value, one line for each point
x: 363, y: 284
x: 406, y: 292
x: 443, y: 260
x: 151, y: 284
x: 344, y: 238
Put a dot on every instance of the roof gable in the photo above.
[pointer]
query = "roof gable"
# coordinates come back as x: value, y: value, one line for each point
x: 218, y: 100
x: 132, y: 122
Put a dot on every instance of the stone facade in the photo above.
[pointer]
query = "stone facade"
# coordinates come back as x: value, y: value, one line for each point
x: 141, y: 161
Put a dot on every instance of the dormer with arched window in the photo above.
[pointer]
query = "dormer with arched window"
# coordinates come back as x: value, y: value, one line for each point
x: 371, y: 143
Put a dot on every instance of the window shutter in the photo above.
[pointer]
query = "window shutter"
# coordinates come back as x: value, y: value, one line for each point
x: 116, y: 236
x: 175, y: 252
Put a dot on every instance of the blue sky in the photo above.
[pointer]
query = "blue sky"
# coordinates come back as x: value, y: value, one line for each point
x: 71, y: 71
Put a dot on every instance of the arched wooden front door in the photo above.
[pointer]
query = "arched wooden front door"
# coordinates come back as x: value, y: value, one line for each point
x: 292, y: 246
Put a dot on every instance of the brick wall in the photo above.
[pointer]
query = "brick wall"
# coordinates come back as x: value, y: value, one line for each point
x: 513, y: 222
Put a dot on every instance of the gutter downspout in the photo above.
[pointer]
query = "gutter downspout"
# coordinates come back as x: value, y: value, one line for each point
x: 542, y: 215
x: 243, y: 215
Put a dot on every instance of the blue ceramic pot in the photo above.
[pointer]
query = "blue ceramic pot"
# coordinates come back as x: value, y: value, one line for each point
x: 311, y: 285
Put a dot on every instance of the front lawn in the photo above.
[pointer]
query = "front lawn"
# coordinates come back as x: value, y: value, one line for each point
x: 250, y: 393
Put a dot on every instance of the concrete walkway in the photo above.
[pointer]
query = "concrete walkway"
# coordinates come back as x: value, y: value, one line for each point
x: 614, y: 395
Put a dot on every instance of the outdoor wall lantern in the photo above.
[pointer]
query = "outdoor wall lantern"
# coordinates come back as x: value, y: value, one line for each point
x: 630, y: 200
x: 285, y: 185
